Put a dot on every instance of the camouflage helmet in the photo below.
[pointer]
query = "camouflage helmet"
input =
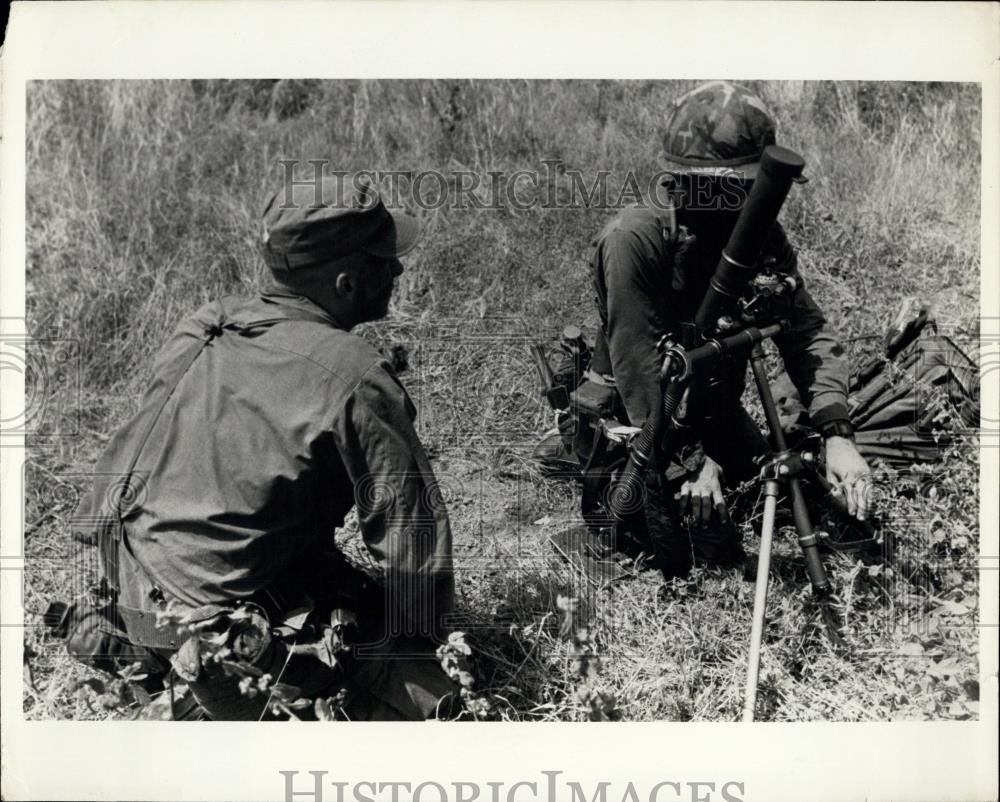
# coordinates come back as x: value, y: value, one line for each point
x: 717, y: 128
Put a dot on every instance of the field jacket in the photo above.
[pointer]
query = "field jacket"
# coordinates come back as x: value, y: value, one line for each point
x: 650, y: 276
x: 263, y: 425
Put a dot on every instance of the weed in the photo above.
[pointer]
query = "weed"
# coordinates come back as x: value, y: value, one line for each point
x: 142, y: 204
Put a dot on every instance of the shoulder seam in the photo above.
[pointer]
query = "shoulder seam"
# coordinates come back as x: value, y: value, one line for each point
x: 336, y: 412
x: 330, y: 370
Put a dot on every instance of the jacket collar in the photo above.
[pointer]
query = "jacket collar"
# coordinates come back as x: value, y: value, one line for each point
x: 288, y: 299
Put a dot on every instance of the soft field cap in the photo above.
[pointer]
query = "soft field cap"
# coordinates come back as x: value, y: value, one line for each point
x: 313, y: 223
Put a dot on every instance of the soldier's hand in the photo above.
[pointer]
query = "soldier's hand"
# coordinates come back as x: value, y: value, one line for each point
x: 849, y: 474
x: 700, y: 496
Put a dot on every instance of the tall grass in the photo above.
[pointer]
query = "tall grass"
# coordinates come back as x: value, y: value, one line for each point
x: 143, y: 201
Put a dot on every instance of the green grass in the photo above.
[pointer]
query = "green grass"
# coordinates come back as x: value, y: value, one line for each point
x: 143, y: 201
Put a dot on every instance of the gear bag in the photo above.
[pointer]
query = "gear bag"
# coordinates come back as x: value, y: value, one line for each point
x: 910, y: 403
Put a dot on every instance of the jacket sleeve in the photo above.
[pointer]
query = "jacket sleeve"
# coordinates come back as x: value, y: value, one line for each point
x: 628, y: 278
x: 401, y: 513
x: 813, y: 356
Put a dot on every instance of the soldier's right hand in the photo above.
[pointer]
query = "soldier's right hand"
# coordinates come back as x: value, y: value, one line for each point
x: 701, y: 496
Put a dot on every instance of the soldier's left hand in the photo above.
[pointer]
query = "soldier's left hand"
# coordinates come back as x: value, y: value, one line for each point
x: 849, y: 474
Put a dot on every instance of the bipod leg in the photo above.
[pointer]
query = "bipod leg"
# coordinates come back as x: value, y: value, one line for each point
x: 760, y: 599
x: 809, y: 542
x: 831, y: 622
x: 787, y: 466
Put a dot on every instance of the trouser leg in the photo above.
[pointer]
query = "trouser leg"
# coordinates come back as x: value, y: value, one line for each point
x: 404, y: 682
x: 89, y: 640
x: 221, y: 697
x: 735, y: 442
x: 670, y: 544
x: 679, y: 545
x: 394, y: 679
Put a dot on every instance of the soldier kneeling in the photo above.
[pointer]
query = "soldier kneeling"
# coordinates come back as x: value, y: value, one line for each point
x: 265, y: 423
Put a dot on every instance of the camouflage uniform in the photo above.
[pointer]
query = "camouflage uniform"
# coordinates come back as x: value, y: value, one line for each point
x: 651, y: 268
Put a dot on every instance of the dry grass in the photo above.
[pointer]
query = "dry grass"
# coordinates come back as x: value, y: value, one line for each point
x: 142, y: 201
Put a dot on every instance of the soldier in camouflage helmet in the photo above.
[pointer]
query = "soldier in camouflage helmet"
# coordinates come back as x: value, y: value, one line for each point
x: 651, y: 268
x: 719, y: 128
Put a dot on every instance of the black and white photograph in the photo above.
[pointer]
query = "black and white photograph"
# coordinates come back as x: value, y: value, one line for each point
x: 501, y: 400
x: 475, y: 373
